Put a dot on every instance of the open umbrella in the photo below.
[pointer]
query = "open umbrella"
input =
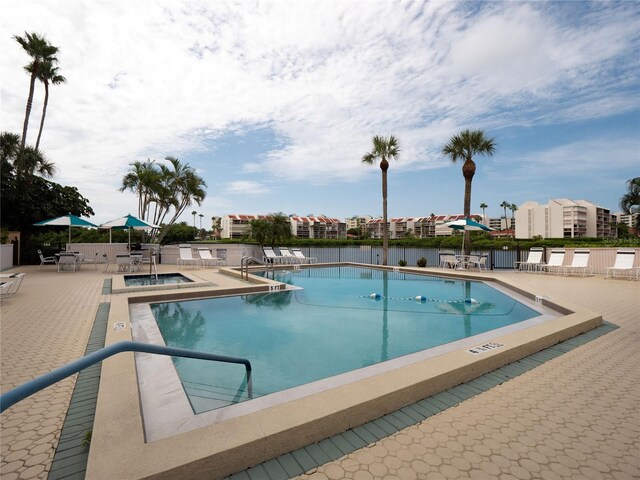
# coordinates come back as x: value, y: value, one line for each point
x: 66, y: 220
x: 128, y: 222
x: 466, y: 224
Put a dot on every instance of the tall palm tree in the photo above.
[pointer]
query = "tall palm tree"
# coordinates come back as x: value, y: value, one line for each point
x: 483, y: 206
x: 201, y: 215
x: 384, y: 149
x: 26, y: 162
x: 505, y: 205
x: 513, y: 207
x: 463, y: 147
x: 40, y: 51
x: 194, y: 218
x: 47, y: 74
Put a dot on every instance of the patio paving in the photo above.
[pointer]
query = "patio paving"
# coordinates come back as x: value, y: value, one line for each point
x: 577, y: 415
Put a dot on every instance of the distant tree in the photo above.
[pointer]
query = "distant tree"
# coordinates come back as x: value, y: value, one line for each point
x: 48, y: 73
x: 483, y: 206
x: 258, y: 230
x: 630, y: 201
x: 384, y: 149
x: 463, y: 147
x: 505, y: 205
x: 513, y: 207
x: 40, y: 51
x: 25, y: 162
x: 194, y: 217
x: 179, y: 233
x: 275, y: 228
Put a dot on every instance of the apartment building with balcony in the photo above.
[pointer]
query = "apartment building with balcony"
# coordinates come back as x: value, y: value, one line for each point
x: 357, y: 223
x: 235, y: 226
x: 628, y: 219
x: 318, y: 227
x: 562, y: 218
x: 419, y: 227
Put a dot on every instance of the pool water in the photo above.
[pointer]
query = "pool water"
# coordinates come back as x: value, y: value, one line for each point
x: 342, y: 319
x: 162, y: 279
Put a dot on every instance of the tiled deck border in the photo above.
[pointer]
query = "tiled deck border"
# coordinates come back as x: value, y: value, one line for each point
x: 304, y: 459
x: 70, y: 460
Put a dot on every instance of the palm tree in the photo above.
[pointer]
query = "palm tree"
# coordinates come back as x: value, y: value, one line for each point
x: 384, y: 149
x: 47, y: 74
x: 513, y: 207
x: 201, y: 215
x: 505, y: 205
x: 194, y: 218
x: 463, y: 147
x: 630, y: 201
x: 483, y: 206
x: 39, y: 49
x: 26, y: 162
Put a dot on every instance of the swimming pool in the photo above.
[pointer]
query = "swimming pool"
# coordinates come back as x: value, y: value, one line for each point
x: 339, y: 320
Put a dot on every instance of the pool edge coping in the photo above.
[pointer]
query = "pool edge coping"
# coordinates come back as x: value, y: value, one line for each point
x: 242, y: 442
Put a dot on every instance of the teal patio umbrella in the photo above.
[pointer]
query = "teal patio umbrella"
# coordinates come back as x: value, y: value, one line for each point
x: 66, y: 220
x: 466, y: 224
x: 128, y: 222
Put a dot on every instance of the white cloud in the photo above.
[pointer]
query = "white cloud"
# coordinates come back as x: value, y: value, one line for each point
x: 148, y: 79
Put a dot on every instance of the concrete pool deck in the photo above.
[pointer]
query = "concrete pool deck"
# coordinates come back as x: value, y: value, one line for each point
x: 576, y: 415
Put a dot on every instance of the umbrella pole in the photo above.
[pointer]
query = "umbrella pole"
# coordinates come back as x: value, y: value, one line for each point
x: 69, y: 233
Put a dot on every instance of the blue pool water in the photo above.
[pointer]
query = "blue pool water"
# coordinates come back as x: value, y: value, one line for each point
x: 163, y: 279
x: 332, y: 325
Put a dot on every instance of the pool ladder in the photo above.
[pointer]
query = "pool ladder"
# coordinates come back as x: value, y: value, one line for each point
x: 244, y: 265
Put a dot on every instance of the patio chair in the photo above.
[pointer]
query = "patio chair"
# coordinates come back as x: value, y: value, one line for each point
x: 136, y: 261
x: 448, y: 260
x: 579, y: 264
x: 623, y: 264
x: 44, y: 260
x: 533, y: 261
x: 207, y: 258
x: 477, y: 261
x: 270, y: 256
x: 298, y: 254
x: 14, y: 279
x: 289, y: 257
x: 556, y: 259
x: 186, y: 256
x: 67, y: 261
x: 123, y: 262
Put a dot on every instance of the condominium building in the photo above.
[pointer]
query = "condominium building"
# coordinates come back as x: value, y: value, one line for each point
x: 419, y: 227
x: 357, y: 223
x: 318, y: 227
x: 501, y: 223
x: 562, y: 218
x: 235, y: 226
x: 628, y: 219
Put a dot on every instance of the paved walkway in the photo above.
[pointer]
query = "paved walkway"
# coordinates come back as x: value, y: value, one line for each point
x: 576, y: 416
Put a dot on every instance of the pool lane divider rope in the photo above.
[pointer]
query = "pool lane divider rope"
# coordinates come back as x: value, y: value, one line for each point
x: 418, y: 298
x: 313, y: 456
x: 72, y: 452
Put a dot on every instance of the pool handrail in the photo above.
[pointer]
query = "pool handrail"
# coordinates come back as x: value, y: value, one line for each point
x: 244, y: 265
x: 33, y: 386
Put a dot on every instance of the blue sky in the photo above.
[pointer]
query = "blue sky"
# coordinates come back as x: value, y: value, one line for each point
x: 274, y: 103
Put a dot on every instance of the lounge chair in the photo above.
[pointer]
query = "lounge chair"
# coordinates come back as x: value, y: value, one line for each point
x: 533, y: 261
x: 289, y: 257
x: 186, y: 256
x: 207, y: 258
x: 271, y: 257
x: 44, y: 260
x: 67, y: 261
x: 5, y: 287
x: 14, y: 280
x: 623, y: 264
x: 579, y: 264
x: 298, y: 254
x: 556, y: 259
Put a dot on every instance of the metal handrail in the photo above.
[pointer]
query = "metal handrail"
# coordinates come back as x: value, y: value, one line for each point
x: 244, y: 265
x: 27, y: 389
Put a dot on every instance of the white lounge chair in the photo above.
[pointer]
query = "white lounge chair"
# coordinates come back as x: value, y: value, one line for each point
x: 14, y: 279
x: 448, y: 260
x: 207, y: 258
x: 186, y: 256
x: 556, y: 260
x: 623, y: 264
x: 44, y: 260
x: 67, y: 261
x: 271, y: 257
x: 298, y: 254
x: 289, y: 257
x: 579, y: 264
x: 533, y: 261
x: 5, y: 287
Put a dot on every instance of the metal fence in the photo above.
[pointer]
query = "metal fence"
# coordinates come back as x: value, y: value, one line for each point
x: 496, y: 259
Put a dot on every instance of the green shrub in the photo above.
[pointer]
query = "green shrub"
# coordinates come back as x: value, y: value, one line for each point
x: 402, y: 263
x: 422, y: 262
